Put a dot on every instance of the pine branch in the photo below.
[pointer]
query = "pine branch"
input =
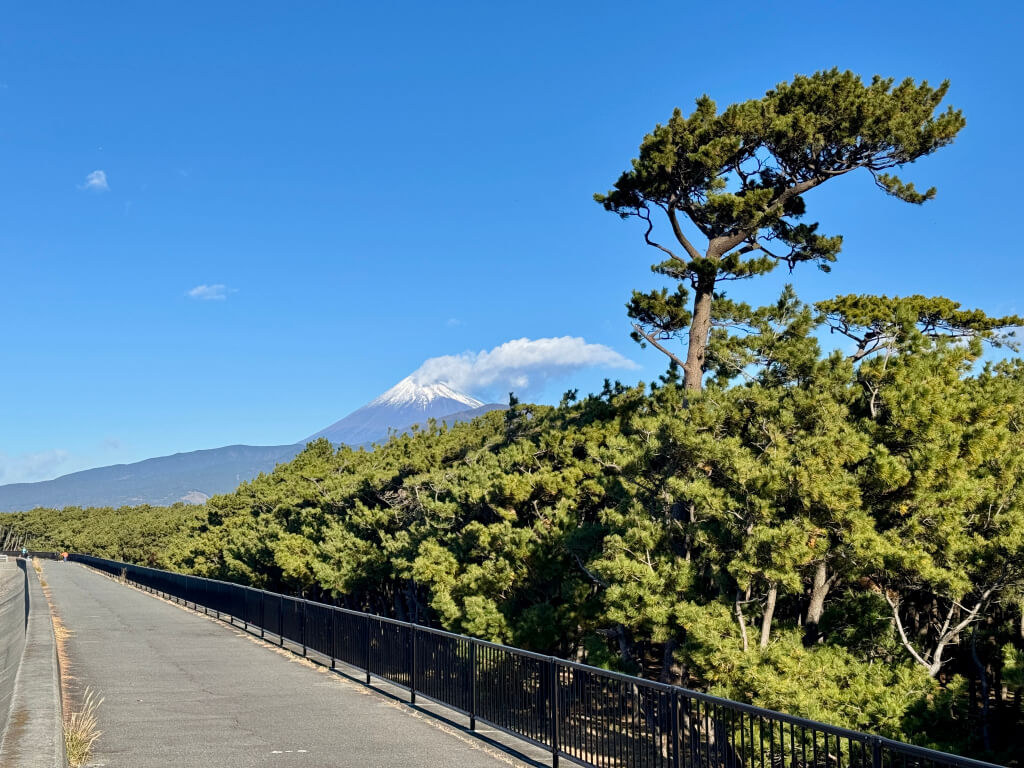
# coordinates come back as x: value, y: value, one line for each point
x: 654, y: 343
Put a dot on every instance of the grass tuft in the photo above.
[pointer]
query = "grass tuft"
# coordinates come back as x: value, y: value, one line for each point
x: 81, y: 731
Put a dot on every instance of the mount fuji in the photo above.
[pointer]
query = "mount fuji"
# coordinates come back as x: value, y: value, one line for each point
x: 405, y: 404
x: 194, y: 477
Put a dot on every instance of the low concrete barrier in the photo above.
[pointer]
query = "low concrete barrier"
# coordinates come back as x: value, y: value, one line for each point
x: 12, y: 630
x: 31, y: 704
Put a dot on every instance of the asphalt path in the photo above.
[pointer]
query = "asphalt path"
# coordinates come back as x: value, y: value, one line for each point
x: 181, y: 689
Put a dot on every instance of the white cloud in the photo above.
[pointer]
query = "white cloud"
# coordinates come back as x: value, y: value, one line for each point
x: 216, y: 292
x: 97, y: 180
x: 520, y: 364
x: 30, y: 467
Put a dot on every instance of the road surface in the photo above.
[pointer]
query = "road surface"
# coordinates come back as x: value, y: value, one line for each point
x: 181, y: 689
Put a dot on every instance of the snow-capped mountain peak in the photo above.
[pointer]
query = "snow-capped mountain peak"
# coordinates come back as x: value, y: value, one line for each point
x: 408, y: 393
x: 403, y: 405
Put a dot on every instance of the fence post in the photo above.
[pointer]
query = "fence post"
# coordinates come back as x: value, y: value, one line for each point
x: 412, y: 671
x: 263, y: 614
x: 675, y: 729
x: 876, y: 752
x: 334, y: 635
x: 367, y: 658
x: 303, y: 625
x: 472, y: 685
x: 280, y: 619
x: 553, y: 710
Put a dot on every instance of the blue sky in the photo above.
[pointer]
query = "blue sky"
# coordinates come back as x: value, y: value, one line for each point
x: 361, y: 187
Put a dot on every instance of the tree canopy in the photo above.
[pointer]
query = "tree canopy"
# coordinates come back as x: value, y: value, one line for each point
x: 731, y: 185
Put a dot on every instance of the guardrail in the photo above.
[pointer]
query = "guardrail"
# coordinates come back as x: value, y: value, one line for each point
x: 590, y: 716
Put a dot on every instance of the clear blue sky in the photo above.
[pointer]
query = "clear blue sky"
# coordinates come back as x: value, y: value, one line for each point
x: 375, y: 184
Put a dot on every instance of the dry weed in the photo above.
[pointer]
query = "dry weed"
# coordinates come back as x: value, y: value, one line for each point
x: 81, y: 731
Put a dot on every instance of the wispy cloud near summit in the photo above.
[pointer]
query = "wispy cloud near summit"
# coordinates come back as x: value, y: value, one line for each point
x: 520, y: 364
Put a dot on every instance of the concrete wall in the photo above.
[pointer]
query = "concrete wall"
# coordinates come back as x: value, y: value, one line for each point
x: 13, y: 619
x: 31, y: 719
x: 35, y: 731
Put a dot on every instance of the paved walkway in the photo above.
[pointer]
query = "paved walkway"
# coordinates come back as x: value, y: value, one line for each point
x: 182, y: 689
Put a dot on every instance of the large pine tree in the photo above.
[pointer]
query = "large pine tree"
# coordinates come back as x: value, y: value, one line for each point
x: 731, y: 185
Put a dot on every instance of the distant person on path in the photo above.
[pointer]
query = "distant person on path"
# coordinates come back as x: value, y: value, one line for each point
x: 24, y: 553
x: 64, y: 556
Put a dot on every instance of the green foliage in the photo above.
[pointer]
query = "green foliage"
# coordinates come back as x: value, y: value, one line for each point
x: 731, y: 185
x: 765, y: 539
x: 880, y: 323
x: 131, y: 534
x: 1013, y: 667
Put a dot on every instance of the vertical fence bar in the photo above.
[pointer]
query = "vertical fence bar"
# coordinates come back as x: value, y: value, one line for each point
x: 553, y: 710
x: 876, y: 752
x: 263, y: 613
x: 280, y: 619
x: 367, y: 657
x: 334, y: 635
x: 412, y: 669
x: 472, y: 685
x: 302, y: 630
x: 674, y: 714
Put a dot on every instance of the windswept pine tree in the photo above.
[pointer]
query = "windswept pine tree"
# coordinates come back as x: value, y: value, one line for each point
x: 731, y: 186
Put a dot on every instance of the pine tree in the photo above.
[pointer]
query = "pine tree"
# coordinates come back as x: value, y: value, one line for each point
x: 732, y: 184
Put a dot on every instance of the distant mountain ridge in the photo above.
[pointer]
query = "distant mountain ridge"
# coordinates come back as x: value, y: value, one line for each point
x: 194, y: 476
x: 190, y: 477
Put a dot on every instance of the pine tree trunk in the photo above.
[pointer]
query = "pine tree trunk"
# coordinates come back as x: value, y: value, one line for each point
x: 700, y: 328
x: 983, y: 678
x: 769, y: 613
x: 819, y: 591
x: 936, y: 661
x: 670, y: 672
x: 741, y: 619
x: 626, y: 652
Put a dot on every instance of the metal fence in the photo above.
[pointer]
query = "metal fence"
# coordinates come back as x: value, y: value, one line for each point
x: 590, y: 716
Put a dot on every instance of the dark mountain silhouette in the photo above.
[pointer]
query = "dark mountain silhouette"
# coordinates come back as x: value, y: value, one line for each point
x: 191, y: 477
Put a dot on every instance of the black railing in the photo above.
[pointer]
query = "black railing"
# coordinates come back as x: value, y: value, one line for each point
x: 590, y: 716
